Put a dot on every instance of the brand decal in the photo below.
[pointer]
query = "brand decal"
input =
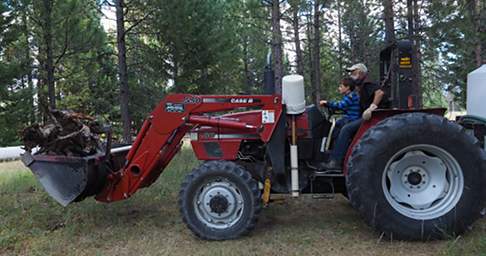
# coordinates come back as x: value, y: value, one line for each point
x: 174, y: 107
x: 241, y: 100
x: 192, y: 100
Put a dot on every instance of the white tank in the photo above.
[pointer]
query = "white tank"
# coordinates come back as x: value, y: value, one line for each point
x: 293, y: 95
x: 476, y: 92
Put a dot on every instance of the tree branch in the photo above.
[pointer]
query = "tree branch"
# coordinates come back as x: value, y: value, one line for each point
x: 137, y: 23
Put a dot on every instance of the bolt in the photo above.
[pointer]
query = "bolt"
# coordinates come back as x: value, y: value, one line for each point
x: 423, y: 182
x: 418, y: 186
x: 198, y: 202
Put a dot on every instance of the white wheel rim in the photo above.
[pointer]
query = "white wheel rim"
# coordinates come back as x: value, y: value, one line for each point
x: 227, y: 215
x: 422, y: 182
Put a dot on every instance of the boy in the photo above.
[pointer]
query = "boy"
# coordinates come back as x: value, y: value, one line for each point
x: 349, y: 104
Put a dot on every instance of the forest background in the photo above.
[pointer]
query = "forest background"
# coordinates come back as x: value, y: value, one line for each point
x: 116, y: 59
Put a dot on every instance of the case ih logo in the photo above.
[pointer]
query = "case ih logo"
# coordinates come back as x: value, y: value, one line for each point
x: 241, y: 100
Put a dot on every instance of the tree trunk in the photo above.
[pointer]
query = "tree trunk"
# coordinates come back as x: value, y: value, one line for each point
x: 28, y: 68
x: 298, y: 49
x: 49, y: 62
x: 476, y: 5
x: 43, y: 105
x: 317, y: 52
x: 277, y: 46
x: 413, y: 18
x: 246, y: 66
x: 122, y: 71
x: 390, y: 39
x: 340, y: 38
x: 417, y: 54
x: 175, y: 71
x: 309, y: 49
x: 389, y: 22
x: 410, y: 19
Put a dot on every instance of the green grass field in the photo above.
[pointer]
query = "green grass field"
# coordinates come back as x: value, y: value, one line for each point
x: 149, y: 223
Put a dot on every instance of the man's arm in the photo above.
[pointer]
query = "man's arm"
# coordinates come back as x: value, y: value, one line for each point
x: 378, y: 96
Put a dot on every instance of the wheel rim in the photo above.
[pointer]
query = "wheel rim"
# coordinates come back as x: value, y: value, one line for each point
x: 219, y: 204
x: 423, y: 182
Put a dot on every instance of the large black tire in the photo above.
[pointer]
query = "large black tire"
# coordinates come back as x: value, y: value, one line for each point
x: 208, y: 185
x: 369, y: 183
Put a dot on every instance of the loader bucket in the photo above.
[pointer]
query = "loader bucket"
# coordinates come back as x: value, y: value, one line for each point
x: 67, y: 178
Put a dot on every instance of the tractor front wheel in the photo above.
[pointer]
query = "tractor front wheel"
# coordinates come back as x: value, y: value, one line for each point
x: 219, y: 200
x: 417, y: 177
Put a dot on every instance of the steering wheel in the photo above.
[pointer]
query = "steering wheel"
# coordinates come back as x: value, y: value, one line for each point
x: 326, y: 111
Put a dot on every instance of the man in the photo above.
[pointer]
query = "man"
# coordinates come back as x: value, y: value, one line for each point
x: 371, y: 98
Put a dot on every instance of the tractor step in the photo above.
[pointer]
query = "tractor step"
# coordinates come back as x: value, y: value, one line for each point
x: 324, y: 172
x: 330, y: 173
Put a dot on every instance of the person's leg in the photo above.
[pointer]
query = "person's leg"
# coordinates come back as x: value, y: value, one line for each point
x: 344, y: 140
x: 337, y: 128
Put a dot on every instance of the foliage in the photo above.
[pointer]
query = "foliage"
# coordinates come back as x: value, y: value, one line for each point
x: 207, y: 47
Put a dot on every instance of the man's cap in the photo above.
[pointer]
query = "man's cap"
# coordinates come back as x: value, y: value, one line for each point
x: 359, y: 66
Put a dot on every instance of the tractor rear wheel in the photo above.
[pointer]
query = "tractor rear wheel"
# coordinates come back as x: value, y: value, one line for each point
x: 219, y: 200
x: 417, y: 176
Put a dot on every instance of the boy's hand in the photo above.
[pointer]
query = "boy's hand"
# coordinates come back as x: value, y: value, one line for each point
x: 323, y: 102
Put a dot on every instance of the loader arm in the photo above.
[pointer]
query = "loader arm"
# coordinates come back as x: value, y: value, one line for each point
x: 162, y: 132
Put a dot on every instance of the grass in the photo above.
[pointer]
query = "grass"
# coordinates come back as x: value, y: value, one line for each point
x: 149, y: 224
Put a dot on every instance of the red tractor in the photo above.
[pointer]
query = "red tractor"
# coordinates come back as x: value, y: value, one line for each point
x: 410, y: 173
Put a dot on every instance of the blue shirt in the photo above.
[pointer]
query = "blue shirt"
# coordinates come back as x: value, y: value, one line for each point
x: 349, y: 105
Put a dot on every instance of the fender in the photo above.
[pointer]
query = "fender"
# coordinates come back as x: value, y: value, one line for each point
x: 378, y: 116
